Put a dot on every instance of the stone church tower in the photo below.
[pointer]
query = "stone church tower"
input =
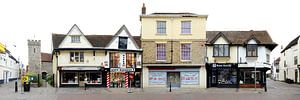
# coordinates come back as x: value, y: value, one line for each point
x: 34, y: 56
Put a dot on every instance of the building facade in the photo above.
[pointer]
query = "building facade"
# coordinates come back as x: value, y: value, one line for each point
x: 112, y: 61
x: 289, y: 61
x: 173, y: 49
x: 9, y: 66
x: 38, y: 62
x: 275, y: 69
x: 238, y: 58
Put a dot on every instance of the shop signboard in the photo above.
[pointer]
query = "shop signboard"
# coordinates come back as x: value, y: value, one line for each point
x: 189, y: 78
x: 157, y: 78
x: 122, y: 69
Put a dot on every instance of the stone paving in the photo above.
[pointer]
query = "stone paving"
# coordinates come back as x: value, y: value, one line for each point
x: 276, y: 91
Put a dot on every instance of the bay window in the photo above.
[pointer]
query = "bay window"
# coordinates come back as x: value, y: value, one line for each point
x: 221, y: 50
x: 251, y: 50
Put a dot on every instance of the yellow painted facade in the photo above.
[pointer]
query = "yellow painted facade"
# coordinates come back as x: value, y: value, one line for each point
x: 173, y: 28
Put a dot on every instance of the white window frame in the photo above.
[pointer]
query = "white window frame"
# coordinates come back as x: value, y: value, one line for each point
x: 161, y: 28
x: 75, y: 39
x: 164, y: 51
x: 184, y: 29
x: 190, y: 58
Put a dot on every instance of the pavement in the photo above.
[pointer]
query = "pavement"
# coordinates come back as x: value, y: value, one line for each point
x: 276, y: 91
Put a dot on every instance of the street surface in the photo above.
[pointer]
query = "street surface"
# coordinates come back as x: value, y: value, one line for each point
x: 276, y: 91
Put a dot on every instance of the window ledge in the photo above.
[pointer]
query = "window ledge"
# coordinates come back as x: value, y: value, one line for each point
x: 186, y: 60
x: 252, y: 56
x: 222, y: 56
x: 185, y: 33
x: 162, y: 34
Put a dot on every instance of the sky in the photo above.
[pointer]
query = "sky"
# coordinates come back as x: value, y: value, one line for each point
x: 21, y: 20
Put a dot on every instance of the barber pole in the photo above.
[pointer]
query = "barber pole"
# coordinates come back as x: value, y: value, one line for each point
x: 107, y: 80
x: 126, y: 80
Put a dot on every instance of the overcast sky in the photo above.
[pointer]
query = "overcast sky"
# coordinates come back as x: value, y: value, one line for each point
x: 21, y: 20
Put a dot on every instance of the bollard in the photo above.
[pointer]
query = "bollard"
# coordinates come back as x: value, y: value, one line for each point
x: 265, y: 87
x: 84, y: 86
x: 38, y: 80
x: 170, y: 88
x: 16, y: 86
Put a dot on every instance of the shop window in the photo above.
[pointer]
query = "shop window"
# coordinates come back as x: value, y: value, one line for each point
x: 117, y: 79
x: 114, y: 59
x: 130, y: 60
x: 94, y: 78
x: 251, y: 50
x: 227, y: 76
x: 189, y: 78
x: 185, y: 51
x: 249, y: 77
x: 161, y: 27
x: 157, y: 78
x: 69, y: 78
x: 160, y: 51
x: 76, y: 57
x: 123, y: 42
x: 221, y: 50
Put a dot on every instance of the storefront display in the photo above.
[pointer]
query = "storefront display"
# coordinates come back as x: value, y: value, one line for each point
x: 189, y: 78
x: 69, y: 78
x: 157, y: 78
x: 222, y: 74
x: 80, y: 78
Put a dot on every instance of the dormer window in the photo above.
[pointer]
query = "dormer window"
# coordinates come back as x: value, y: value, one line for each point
x: 123, y: 42
x: 251, y: 50
x: 75, y: 39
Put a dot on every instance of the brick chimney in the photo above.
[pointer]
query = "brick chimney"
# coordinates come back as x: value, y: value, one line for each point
x: 143, y: 9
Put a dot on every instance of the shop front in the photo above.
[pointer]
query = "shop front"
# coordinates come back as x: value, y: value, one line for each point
x: 223, y: 75
x: 124, y: 78
x: 251, y: 77
x: 176, y: 77
x: 70, y: 77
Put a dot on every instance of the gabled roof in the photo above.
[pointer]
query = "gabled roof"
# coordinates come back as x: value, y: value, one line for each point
x: 46, y: 57
x: 76, y: 27
x: 292, y: 43
x: 242, y: 37
x: 252, y: 37
x: 220, y: 34
x: 123, y: 28
x: 95, y: 40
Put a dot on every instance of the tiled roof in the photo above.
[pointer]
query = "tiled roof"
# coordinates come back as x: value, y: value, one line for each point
x: 292, y: 43
x: 242, y: 37
x: 46, y: 57
x: 95, y: 40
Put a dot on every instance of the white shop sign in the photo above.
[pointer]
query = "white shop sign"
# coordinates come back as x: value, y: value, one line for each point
x: 157, y: 78
x: 189, y: 78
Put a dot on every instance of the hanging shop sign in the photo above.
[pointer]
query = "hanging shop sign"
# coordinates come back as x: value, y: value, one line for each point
x: 157, y: 78
x: 122, y: 69
x: 189, y: 78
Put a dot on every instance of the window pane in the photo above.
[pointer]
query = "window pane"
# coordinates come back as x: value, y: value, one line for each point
x: 72, y: 56
x: 161, y: 26
x: 226, y: 50
x: 185, y: 51
x: 81, y: 57
x: 216, y: 49
x: 186, y: 27
x: 221, y: 50
x: 161, y: 52
x: 123, y: 42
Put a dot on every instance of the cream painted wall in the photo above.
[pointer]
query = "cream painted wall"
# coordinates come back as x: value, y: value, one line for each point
x: 84, y: 43
x: 288, y: 56
x: 173, y: 28
x: 115, y: 43
x: 89, y: 59
x: 232, y: 52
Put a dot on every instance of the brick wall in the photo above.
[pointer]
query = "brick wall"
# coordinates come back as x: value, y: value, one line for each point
x: 197, y: 52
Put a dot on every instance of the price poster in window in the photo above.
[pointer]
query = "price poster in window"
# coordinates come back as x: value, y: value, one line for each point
x: 189, y: 78
x: 157, y: 78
